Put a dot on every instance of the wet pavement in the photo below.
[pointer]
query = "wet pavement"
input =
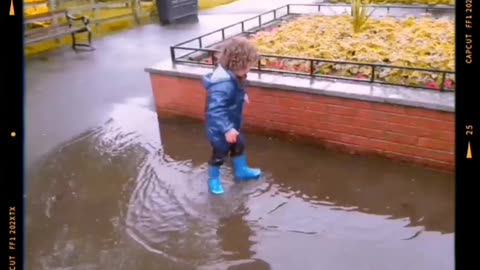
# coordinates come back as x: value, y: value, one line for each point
x: 109, y: 187
x: 68, y: 92
x: 131, y: 195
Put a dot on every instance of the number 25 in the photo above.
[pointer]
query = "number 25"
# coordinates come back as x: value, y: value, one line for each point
x: 469, y: 130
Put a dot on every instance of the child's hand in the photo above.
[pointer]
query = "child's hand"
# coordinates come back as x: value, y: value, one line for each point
x: 231, y: 136
x: 247, y: 100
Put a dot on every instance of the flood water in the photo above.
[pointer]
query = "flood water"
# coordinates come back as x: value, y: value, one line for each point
x: 132, y: 194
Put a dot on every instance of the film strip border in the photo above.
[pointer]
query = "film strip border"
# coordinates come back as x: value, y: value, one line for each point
x: 12, y: 136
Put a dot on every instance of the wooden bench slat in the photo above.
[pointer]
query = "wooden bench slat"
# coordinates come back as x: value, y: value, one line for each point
x: 63, y: 30
x: 41, y: 29
x: 44, y: 15
x: 55, y: 31
x: 46, y: 32
x: 33, y: 40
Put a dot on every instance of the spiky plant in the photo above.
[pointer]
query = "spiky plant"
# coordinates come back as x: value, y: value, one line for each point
x: 360, y: 14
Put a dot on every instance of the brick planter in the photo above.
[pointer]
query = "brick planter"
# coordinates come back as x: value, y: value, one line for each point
x: 419, y: 135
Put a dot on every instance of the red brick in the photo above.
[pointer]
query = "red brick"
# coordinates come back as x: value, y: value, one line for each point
x: 285, y: 119
x: 301, y: 130
x: 296, y: 113
x: 436, y: 144
x: 416, y: 131
x: 412, y: 150
x: 257, y: 108
x: 406, y: 130
x: 313, y: 118
x: 359, y: 104
x: 315, y: 107
x: 252, y: 121
x: 352, y: 130
x: 419, y: 135
x: 311, y: 123
x: 342, y: 138
x: 446, y: 136
x: 258, y: 96
x: 288, y: 103
x: 355, y: 121
x: 262, y: 98
x: 351, y: 148
x: 282, y: 93
x: 296, y: 116
x: 251, y: 114
x: 342, y: 110
x: 372, y: 115
x: 322, y: 134
x: 304, y: 131
x: 406, y: 120
x: 420, y: 122
x: 400, y: 138
x: 431, y: 114
x: 390, y: 108
x: 352, y: 139
x: 424, y: 162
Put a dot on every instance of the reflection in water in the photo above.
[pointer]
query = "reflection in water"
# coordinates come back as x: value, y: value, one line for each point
x: 236, y: 246
x: 119, y: 197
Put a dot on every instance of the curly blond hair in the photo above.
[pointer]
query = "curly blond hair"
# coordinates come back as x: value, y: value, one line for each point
x: 237, y: 54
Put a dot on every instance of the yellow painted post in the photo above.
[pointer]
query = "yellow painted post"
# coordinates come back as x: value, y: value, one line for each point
x: 94, y: 13
x: 12, y: 9
x: 52, y: 7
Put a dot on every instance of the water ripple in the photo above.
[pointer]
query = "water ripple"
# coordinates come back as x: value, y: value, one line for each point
x: 163, y: 205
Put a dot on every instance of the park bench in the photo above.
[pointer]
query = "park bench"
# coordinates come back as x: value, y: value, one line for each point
x: 56, y: 24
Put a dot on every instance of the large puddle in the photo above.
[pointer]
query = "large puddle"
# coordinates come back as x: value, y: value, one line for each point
x: 123, y: 197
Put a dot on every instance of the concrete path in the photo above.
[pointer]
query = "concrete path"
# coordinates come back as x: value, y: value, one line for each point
x: 67, y: 93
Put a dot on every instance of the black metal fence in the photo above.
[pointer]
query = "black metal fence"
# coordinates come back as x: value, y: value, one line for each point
x: 201, y: 51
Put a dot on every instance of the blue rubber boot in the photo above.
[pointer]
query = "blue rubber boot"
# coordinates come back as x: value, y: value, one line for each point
x: 214, y: 184
x: 242, y: 171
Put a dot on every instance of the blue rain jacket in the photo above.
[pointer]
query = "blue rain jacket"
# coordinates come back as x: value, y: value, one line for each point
x: 224, y: 105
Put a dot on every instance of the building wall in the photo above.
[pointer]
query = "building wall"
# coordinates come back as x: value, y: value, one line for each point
x: 415, y: 135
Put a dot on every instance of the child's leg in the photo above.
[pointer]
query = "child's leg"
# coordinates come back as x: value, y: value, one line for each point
x: 218, y: 158
x: 242, y: 171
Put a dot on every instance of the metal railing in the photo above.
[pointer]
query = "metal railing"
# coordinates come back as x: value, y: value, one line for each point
x: 201, y: 51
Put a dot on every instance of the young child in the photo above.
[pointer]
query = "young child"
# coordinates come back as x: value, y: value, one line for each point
x: 224, y: 108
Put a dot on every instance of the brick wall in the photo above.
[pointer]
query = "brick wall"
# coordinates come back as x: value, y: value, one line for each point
x: 420, y: 136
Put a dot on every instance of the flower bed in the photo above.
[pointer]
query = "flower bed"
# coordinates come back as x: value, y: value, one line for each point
x: 404, y: 2
x: 424, y: 43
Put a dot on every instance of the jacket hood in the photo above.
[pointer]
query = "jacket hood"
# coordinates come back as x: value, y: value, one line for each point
x: 219, y: 75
